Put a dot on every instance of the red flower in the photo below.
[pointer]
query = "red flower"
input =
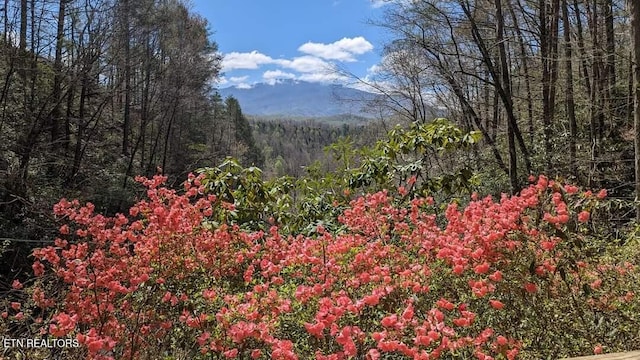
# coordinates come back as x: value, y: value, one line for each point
x: 203, y: 338
x: 496, y: 276
x: 316, y: 329
x: 94, y: 346
x: 378, y: 336
x: 501, y: 340
x: 17, y: 285
x: 482, y: 268
x: 233, y: 353
x: 571, y: 189
x: 371, y: 300
x: 547, y: 245
x: 390, y: 321
x: 445, y: 304
x: 408, y: 313
x: 462, y: 322
x: 530, y: 288
x: 458, y: 269
x: 373, y: 354
x: 38, y: 268
x: 597, y: 349
x: 496, y: 304
x: 583, y: 216
x: 64, y: 229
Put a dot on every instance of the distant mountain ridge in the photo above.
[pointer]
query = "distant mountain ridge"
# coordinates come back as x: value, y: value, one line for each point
x: 300, y: 98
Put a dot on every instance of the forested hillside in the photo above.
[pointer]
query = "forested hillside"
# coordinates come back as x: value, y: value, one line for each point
x: 290, y: 145
x: 144, y: 216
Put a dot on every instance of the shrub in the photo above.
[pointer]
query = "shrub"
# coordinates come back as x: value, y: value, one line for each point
x: 524, y: 276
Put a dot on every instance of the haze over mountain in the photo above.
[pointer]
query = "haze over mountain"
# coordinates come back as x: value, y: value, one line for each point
x: 300, y: 98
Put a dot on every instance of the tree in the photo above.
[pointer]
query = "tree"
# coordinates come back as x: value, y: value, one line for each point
x: 125, y: 10
x: 98, y: 90
x: 54, y: 117
x: 450, y: 51
x: 571, y: 113
x: 495, y: 66
x: 634, y: 12
x: 244, y: 142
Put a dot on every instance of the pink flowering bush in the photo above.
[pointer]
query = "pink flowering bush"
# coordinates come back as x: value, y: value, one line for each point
x: 521, y: 277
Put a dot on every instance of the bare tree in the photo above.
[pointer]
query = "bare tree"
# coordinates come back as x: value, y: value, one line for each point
x: 634, y: 12
x: 570, y: 104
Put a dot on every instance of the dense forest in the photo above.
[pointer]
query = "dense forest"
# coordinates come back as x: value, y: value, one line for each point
x: 96, y: 92
x: 504, y: 228
x: 290, y: 145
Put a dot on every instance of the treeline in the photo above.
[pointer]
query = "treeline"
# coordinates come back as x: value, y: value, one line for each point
x: 548, y: 83
x: 94, y: 92
x: 290, y: 146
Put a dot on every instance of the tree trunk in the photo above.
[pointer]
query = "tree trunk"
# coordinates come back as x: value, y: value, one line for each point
x: 506, y: 85
x: 581, y: 47
x: 525, y: 69
x: 126, y: 125
x: 23, y: 27
x: 56, y: 93
x: 77, y: 155
x: 610, y: 64
x: 571, y: 113
x: 5, y: 12
x: 597, y: 113
x: 549, y: 54
x: 505, y: 95
x: 544, y: 54
x: 634, y: 11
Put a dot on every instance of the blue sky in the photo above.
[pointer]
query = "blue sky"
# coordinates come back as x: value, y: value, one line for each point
x: 267, y: 40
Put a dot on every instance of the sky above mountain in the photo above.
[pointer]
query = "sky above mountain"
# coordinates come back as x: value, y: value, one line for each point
x: 269, y: 40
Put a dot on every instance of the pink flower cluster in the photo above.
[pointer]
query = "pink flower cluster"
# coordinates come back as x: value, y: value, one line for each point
x: 396, y: 279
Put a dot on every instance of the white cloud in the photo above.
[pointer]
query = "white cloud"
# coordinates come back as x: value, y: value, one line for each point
x: 325, y: 77
x: 271, y: 77
x: 317, y: 62
x: 243, y: 86
x: 221, y: 81
x: 251, y: 60
x: 344, y: 49
x: 374, y: 69
x: 238, y: 79
x: 379, y: 3
x: 306, y: 64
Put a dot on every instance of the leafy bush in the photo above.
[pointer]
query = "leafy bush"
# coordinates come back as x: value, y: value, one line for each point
x: 525, y: 276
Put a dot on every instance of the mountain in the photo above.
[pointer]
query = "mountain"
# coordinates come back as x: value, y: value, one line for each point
x: 300, y: 98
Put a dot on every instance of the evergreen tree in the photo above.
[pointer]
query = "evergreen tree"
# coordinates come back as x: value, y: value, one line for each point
x: 251, y: 155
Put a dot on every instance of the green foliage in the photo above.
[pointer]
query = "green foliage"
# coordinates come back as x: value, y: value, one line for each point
x: 401, y: 162
x: 410, y: 153
x: 255, y: 201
